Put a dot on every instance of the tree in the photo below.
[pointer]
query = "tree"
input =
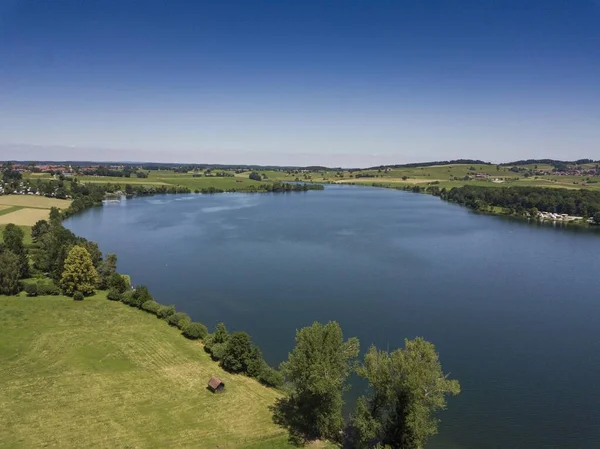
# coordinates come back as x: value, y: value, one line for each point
x: 79, y: 274
x: 40, y: 228
x: 13, y: 239
x: 238, y: 353
x: 117, y: 282
x: 318, y: 369
x: 255, y: 176
x: 220, y: 335
x: 407, y: 388
x: 9, y: 272
x: 106, y: 269
x: 596, y: 218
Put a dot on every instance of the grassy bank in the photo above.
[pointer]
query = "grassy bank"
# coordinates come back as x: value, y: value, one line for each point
x: 98, y: 373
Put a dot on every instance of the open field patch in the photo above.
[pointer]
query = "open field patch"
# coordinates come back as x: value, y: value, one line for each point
x: 97, y: 373
x: 33, y: 201
x: 8, y: 209
x: 24, y: 216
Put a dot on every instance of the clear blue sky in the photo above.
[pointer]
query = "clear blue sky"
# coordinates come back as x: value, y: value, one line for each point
x: 350, y: 83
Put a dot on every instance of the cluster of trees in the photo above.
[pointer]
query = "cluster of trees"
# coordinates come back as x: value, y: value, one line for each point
x: 103, y: 170
x: 289, y: 187
x: 14, y: 260
x: 238, y: 354
x: 434, y: 163
x: 519, y: 200
x: 142, y: 190
x: 255, y: 176
x: 552, y: 162
x: 406, y: 388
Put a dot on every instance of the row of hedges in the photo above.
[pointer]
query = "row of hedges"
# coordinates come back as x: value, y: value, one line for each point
x: 141, y: 298
x: 235, y: 352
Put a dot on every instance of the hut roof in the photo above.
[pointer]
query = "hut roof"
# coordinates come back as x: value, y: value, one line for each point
x: 214, y: 382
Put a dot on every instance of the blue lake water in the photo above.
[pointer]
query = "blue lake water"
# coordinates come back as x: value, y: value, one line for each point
x: 513, y: 308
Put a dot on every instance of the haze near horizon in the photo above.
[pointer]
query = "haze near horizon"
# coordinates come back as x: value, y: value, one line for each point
x: 331, y: 83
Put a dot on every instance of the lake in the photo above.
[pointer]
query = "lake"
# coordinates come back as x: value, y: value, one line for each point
x: 513, y: 308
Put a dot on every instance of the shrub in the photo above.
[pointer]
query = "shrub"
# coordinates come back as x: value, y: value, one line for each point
x: 127, y: 280
x: 151, y: 307
x: 78, y: 296
x: 31, y: 290
x: 217, y: 351
x: 114, y: 295
x: 117, y: 282
x: 179, y: 319
x: 164, y: 312
x: 195, y: 331
x: 140, y: 296
x: 208, y: 343
x: 270, y: 377
x: 127, y: 298
x: 47, y: 287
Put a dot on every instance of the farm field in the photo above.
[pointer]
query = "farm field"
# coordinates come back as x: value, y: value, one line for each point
x: 447, y: 176
x: 97, y: 373
x: 26, y: 210
x: 170, y: 178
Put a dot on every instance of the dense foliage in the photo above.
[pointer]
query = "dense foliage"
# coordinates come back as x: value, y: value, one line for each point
x: 79, y: 274
x: 318, y: 370
x: 584, y: 203
x: 13, y: 240
x: 9, y: 272
x: 407, y: 387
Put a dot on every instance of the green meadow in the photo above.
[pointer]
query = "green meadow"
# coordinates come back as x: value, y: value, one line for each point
x: 96, y: 373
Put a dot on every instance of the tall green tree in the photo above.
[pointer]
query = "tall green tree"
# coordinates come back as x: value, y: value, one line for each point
x: 79, y: 274
x: 9, y: 272
x: 318, y: 370
x: 107, y: 268
x: 407, y: 387
x: 238, y: 353
x: 13, y: 239
x: 40, y: 228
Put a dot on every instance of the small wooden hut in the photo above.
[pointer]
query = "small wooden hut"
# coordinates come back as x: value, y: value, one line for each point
x: 216, y: 385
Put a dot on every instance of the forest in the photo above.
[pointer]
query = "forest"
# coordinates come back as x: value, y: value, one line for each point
x: 518, y: 200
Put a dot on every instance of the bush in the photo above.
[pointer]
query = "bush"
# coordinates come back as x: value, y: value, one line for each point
x: 164, y: 312
x: 195, y: 331
x: 270, y: 377
x: 78, y: 296
x: 47, y: 287
x: 217, y: 351
x: 151, y: 307
x: 140, y: 296
x: 117, y: 282
x: 31, y: 290
x: 114, y: 295
x: 127, y: 298
x: 179, y: 319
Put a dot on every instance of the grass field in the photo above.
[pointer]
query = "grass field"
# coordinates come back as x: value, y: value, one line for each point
x: 447, y: 176
x: 97, y: 373
x: 170, y: 178
x: 26, y: 210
